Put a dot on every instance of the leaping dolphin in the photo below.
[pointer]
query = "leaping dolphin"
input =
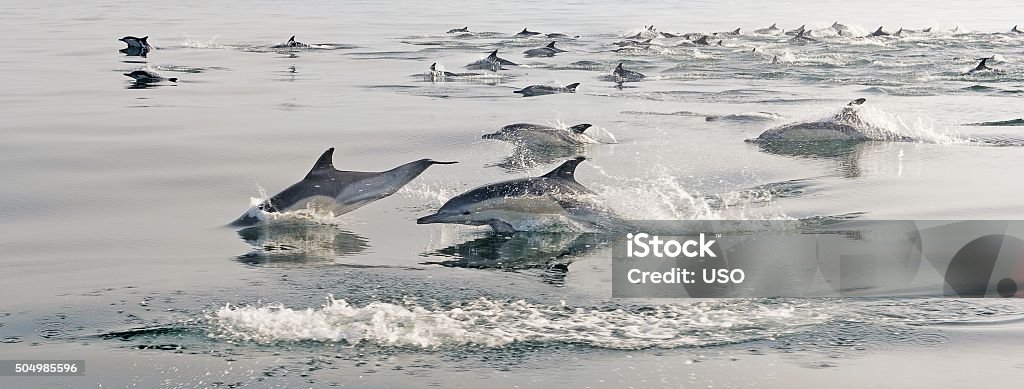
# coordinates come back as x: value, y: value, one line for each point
x: 981, y: 66
x: 554, y: 200
x: 526, y: 134
x: 803, y: 36
x: 341, y: 191
x: 772, y: 29
x: 623, y: 75
x: 136, y: 43
x: 148, y: 77
x: 539, y: 90
x: 491, y: 62
x: 879, y: 32
x: 846, y: 125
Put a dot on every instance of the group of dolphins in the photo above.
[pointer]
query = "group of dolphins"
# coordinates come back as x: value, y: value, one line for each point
x: 525, y: 203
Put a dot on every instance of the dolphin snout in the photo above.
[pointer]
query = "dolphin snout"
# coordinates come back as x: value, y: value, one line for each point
x: 429, y: 219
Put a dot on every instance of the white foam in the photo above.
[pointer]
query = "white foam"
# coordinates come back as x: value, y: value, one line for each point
x: 497, y: 323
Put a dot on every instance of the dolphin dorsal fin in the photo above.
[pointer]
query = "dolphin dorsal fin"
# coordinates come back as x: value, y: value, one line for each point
x: 551, y: 45
x: 147, y: 37
x: 929, y: 29
x: 619, y: 67
x: 292, y: 39
x: 703, y: 40
x: 736, y: 31
x: 494, y: 54
x: 433, y: 66
x: 572, y: 87
x: 580, y: 128
x: 524, y: 31
x: 325, y: 162
x: 773, y: 26
x: 566, y: 170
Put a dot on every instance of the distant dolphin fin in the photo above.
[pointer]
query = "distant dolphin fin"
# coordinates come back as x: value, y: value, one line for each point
x: 773, y: 26
x: 433, y: 66
x: 619, y: 67
x: 551, y: 45
x: 857, y: 101
x: 292, y: 39
x: 566, y: 170
x: 703, y: 40
x: 572, y: 87
x: 929, y: 29
x: 524, y: 31
x: 736, y: 31
x: 325, y: 162
x: 580, y: 128
x: 494, y: 54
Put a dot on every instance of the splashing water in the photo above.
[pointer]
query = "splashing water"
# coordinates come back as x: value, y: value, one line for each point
x: 497, y: 323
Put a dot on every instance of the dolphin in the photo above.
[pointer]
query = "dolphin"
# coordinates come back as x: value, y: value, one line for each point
x: 455, y: 30
x: 138, y: 43
x: 148, y: 77
x: 839, y: 27
x: 772, y: 29
x: 526, y: 134
x: 843, y: 126
x: 803, y: 36
x: 559, y: 35
x: 526, y: 33
x: 437, y: 73
x: 290, y: 43
x: 526, y: 204
x: 703, y: 41
x: 899, y: 33
x: 623, y: 75
x: 1016, y: 31
x: 879, y: 32
x: 342, y: 191
x: 981, y: 66
x: 547, y: 51
x: 491, y: 62
x: 629, y: 42
x: 929, y: 29
x: 539, y: 90
x: 797, y: 30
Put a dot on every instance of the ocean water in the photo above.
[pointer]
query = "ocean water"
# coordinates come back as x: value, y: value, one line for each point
x: 115, y: 195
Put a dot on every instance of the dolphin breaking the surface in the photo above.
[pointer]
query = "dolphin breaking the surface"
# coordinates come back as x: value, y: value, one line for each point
x: 340, y: 190
x: 550, y: 202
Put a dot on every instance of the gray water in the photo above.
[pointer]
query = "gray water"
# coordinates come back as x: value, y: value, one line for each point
x: 115, y: 196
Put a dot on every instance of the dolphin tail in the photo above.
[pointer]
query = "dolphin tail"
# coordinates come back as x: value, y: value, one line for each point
x: 566, y: 170
x: 572, y: 87
x: 580, y: 128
